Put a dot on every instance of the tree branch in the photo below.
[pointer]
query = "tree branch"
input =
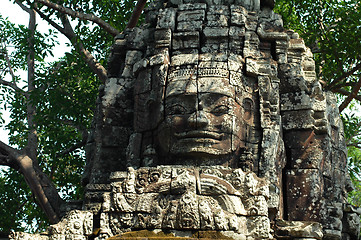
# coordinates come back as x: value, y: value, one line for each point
x: 51, y: 22
x: 5, y: 160
x: 345, y: 93
x: 83, y: 16
x: 344, y: 75
x: 7, y: 154
x: 11, y: 71
x: 354, y: 145
x: 72, y: 148
x: 31, y: 175
x: 136, y: 13
x: 72, y: 124
x: 32, y: 144
x: 40, y: 185
x: 348, y: 141
x: 68, y: 31
x: 351, y: 96
x: 13, y: 86
x: 23, y: 7
x: 97, y: 68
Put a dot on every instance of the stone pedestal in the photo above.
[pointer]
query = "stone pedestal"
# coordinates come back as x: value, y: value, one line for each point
x: 190, y: 202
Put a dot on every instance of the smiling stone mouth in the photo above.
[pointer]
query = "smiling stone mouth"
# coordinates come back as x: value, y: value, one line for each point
x: 199, y: 134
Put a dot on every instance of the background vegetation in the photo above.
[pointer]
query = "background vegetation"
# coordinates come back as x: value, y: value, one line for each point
x: 52, y: 107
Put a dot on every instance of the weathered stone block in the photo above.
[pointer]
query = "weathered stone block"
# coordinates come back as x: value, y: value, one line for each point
x: 210, y: 32
x: 267, y: 31
x: 332, y: 234
x: 251, y: 45
x: 163, y: 38
x: 185, y: 40
x: 238, y: 15
x: 255, y: 67
x: 301, y: 184
x: 302, y: 139
x: 187, y: 84
x: 194, y: 15
x: 192, y: 6
x: 217, y: 16
x: 298, y: 120
x: 351, y: 225
x: 251, y: 22
x: 217, y: 21
x: 297, y: 45
x: 166, y: 18
x: 258, y: 227
x: 98, y: 187
x: 160, y: 59
x: 296, y: 101
x: 235, y: 66
x: 114, y: 87
x: 132, y: 57
x: 184, y: 59
x: 136, y: 38
x: 140, y: 65
x: 299, y: 230
x: 127, y: 72
x: 190, y: 26
x: 112, y: 136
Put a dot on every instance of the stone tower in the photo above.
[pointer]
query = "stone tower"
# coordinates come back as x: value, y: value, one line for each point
x: 212, y: 124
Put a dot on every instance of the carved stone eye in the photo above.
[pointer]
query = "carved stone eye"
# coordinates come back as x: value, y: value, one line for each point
x: 220, y: 110
x: 176, y: 109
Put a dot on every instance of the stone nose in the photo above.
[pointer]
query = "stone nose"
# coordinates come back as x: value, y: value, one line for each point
x: 198, y: 120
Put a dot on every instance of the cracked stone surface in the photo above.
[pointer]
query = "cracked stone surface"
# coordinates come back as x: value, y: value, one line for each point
x: 212, y: 120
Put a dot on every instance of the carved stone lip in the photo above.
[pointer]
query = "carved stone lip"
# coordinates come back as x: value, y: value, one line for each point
x: 199, y: 134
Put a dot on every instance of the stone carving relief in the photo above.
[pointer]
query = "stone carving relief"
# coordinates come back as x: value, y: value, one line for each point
x: 181, y: 198
x: 76, y: 225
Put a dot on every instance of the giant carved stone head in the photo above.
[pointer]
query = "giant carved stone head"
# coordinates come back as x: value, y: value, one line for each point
x: 222, y: 83
x: 204, y: 122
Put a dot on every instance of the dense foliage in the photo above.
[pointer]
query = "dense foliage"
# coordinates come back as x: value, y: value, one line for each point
x: 59, y: 99
x: 63, y: 96
x: 64, y: 99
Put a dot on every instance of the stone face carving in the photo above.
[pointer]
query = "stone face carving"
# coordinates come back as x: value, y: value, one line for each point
x: 212, y: 124
x: 200, y: 127
x: 205, y: 120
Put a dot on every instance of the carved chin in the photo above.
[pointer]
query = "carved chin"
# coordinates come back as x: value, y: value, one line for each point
x: 201, y: 147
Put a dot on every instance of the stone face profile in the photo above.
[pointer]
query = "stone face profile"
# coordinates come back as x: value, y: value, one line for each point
x: 213, y: 125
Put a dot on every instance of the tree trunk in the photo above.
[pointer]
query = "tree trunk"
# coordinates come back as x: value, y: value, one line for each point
x: 32, y: 144
x: 41, y: 186
x: 26, y: 161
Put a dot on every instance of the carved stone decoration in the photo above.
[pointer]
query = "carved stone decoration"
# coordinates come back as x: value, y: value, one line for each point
x: 218, y: 204
x: 76, y: 225
x: 213, y: 124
